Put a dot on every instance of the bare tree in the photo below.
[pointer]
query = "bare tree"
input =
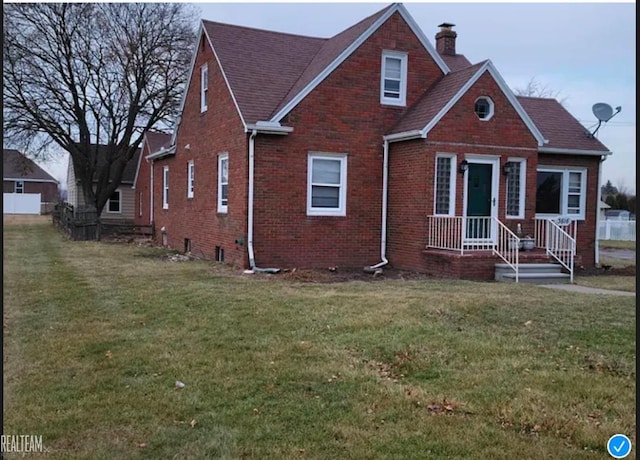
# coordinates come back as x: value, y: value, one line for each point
x: 79, y: 75
x: 535, y: 88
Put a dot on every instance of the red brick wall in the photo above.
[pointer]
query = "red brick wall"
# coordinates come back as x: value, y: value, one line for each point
x: 216, y: 131
x: 342, y: 115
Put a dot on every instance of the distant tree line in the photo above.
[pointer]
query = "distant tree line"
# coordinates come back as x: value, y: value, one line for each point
x: 618, y: 198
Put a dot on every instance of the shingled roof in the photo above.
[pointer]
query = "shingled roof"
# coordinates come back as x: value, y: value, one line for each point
x: 156, y: 140
x: 15, y: 165
x: 557, y: 125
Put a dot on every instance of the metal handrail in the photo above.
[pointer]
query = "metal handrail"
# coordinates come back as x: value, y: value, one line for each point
x: 507, y: 247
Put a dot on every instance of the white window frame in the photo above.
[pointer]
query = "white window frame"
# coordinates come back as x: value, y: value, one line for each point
x: 402, y: 99
x: 18, y: 186
x: 190, y: 179
x: 119, y: 211
x: 204, y: 87
x: 223, y: 204
x: 452, y: 183
x: 564, y: 194
x: 491, y: 108
x: 341, y: 209
x: 165, y: 187
x: 523, y: 189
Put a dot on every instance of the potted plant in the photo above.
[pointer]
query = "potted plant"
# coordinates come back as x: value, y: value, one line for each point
x: 528, y: 243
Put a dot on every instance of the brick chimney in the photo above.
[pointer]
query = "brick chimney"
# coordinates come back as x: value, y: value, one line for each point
x: 446, y: 39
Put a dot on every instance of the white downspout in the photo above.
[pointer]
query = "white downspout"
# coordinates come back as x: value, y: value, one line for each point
x: 385, y: 180
x: 252, y: 261
x: 151, y: 196
x: 599, y: 195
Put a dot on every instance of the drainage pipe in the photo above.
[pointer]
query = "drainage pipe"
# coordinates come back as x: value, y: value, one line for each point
x: 385, y: 181
x: 252, y: 260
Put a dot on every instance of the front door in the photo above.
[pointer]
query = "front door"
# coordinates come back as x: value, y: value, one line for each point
x: 481, y: 202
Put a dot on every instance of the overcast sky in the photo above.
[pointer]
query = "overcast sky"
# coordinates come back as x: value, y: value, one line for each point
x: 584, y: 52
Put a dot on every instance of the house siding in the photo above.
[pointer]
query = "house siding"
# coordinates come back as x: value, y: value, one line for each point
x: 48, y: 191
x: 218, y: 130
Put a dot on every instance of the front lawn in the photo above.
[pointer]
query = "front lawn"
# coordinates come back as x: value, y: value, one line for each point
x: 97, y: 334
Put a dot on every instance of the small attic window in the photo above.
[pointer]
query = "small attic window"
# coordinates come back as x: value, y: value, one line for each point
x: 484, y: 108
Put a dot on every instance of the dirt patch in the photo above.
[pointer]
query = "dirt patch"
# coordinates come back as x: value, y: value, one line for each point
x: 340, y: 275
x: 607, y: 270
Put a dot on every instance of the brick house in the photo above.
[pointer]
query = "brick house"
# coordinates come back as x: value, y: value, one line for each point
x: 21, y: 175
x: 369, y: 148
x: 143, y: 182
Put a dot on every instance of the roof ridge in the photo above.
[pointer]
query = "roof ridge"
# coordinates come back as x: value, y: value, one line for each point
x: 275, y: 32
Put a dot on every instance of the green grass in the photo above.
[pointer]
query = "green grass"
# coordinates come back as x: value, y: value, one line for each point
x: 617, y: 283
x: 615, y: 244
x: 96, y: 334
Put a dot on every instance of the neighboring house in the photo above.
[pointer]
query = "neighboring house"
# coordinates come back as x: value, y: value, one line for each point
x: 121, y: 205
x: 20, y: 175
x: 366, y: 148
x: 143, y: 182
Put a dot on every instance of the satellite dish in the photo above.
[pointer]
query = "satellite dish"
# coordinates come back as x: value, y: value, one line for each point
x: 602, y: 111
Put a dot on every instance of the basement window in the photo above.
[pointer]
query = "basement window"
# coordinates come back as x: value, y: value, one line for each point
x: 484, y: 108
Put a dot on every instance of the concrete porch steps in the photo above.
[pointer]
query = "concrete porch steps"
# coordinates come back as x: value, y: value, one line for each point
x: 535, y: 273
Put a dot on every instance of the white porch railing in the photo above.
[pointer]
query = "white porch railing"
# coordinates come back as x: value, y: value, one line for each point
x: 558, y: 238
x: 465, y: 234
x: 457, y: 233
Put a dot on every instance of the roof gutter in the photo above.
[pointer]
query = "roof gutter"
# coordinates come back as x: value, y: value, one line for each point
x: 604, y: 153
x: 405, y: 136
x: 163, y: 152
x: 268, y: 127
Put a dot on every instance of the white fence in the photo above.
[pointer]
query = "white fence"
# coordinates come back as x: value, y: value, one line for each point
x: 617, y: 230
x: 21, y: 203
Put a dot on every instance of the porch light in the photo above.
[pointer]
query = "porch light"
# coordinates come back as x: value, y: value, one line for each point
x: 508, y: 168
x: 464, y: 164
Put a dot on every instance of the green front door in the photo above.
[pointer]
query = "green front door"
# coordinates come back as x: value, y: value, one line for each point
x: 479, y: 200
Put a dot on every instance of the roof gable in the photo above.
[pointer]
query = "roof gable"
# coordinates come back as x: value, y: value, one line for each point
x: 268, y: 73
x: 15, y: 165
x: 342, y: 46
x: 443, y: 95
x: 153, y: 141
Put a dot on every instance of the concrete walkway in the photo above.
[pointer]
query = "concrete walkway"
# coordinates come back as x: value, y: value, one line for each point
x: 586, y: 290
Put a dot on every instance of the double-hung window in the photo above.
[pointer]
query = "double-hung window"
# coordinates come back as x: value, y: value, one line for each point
x: 190, y: 178
x: 393, y: 78
x: 561, y: 191
x: 204, y: 87
x: 445, y: 185
x: 165, y: 187
x: 223, y: 182
x: 516, y: 174
x: 114, y: 203
x: 19, y: 186
x: 327, y: 185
